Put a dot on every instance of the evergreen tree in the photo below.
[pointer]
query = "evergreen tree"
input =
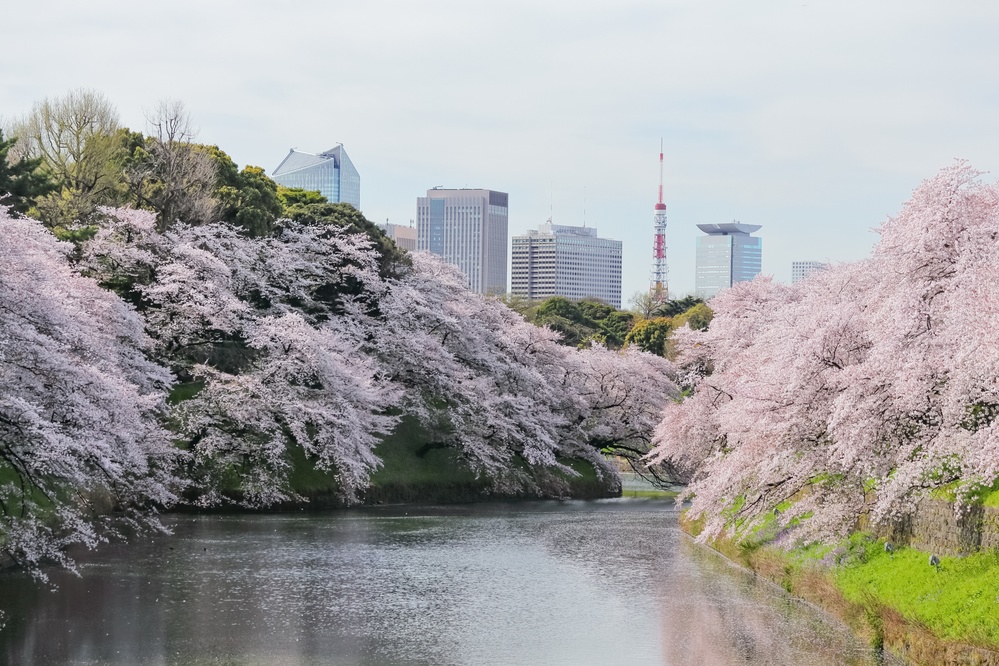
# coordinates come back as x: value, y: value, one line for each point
x: 21, y: 181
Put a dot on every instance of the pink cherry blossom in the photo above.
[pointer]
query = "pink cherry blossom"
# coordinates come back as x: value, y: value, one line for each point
x: 80, y: 404
x: 858, y: 390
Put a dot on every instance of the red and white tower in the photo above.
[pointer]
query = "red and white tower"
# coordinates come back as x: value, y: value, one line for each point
x: 658, y: 290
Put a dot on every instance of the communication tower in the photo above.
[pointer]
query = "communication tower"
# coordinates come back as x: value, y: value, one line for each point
x: 659, y: 290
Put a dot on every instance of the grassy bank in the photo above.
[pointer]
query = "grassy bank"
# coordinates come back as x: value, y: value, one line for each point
x: 893, y: 600
x: 959, y: 602
x: 412, y: 472
x: 633, y: 485
x: 650, y: 493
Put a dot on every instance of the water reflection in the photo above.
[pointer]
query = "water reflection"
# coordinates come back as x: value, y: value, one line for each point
x: 608, y: 582
x: 720, y: 615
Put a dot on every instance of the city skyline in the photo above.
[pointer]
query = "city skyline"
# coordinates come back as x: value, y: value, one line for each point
x: 816, y: 121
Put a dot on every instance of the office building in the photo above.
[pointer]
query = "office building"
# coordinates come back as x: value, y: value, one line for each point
x: 801, y: 269
x: 469, y: 229
x: 404, y: 237
x: 560, y: 260
x: 330, y: 172
x: 725, y: 255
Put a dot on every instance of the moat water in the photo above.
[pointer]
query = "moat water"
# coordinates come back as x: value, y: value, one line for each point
x: 598, y: 582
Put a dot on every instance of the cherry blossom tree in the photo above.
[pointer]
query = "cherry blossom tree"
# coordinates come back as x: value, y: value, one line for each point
x: 497, y: 388
x: 624, y: 393
x: 467, y: 365
x: 252, y: 323
x: 304, y: 343
x: 80, y: 405
x: 307, y: 387
x: 856, y: 391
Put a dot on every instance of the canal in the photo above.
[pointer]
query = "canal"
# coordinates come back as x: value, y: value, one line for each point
x: 598, y: 582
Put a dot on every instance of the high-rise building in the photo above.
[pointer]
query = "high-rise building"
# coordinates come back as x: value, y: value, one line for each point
x: 726, y: 255
x: 469, y: 229
x: 800, y: 269
x: 330, y: 172
x: 404, y: 237
x: 560, y: 260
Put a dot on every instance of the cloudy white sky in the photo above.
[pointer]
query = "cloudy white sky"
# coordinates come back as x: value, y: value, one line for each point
x: 813, y: 118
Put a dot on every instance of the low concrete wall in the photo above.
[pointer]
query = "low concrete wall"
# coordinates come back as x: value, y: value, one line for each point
x: 935, y: 528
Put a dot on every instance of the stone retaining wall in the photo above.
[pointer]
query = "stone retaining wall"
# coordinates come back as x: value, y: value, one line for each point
x: 935, y: 528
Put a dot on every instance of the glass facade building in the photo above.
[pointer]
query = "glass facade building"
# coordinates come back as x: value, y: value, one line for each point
x: 469, y: 229
x: 561, y: 260
x: 330, y: 172
x: 726, y: 255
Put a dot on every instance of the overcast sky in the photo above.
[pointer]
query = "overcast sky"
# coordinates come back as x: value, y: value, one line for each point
x: 815, y: 119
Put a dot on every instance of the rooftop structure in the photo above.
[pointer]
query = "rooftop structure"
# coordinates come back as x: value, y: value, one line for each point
x: 725, y: 255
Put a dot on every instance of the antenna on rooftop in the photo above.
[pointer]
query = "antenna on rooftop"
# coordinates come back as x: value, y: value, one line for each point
x: 551, y: 199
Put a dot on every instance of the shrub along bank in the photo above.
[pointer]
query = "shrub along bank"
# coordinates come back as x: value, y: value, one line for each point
x: 891, y: 597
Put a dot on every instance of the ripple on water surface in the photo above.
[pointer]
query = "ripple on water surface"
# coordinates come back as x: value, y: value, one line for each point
x: 605, y: 582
